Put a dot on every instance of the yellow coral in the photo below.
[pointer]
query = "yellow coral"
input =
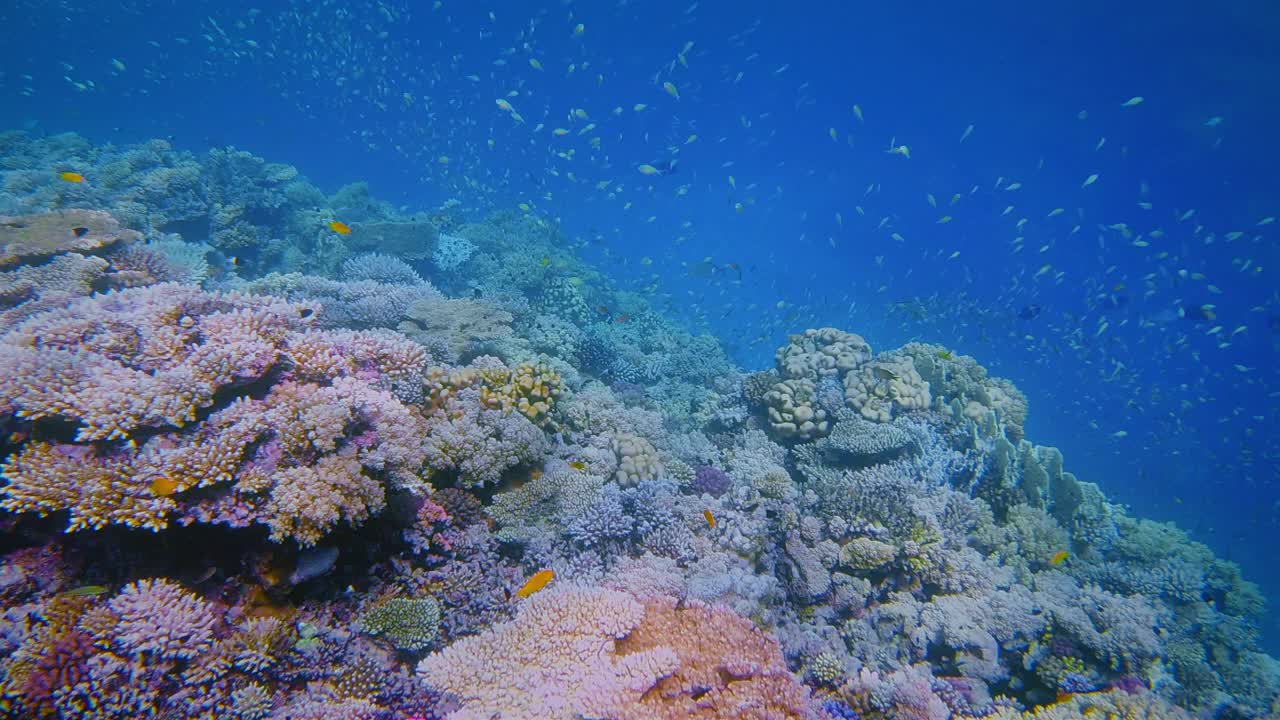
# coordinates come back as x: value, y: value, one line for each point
x: 530, y: 389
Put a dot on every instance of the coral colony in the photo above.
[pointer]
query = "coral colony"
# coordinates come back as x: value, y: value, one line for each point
x: 254, y: 467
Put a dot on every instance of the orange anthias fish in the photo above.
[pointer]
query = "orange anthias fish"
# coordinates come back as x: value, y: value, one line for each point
x: 163, y: 486
x: 711, y: 519
x: 1059, y: 557
x: 72, y: 177
x: 535, y: 583
x: 340, y: 227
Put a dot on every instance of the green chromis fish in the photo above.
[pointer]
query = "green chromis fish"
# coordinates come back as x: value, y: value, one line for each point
x: 88, y: 591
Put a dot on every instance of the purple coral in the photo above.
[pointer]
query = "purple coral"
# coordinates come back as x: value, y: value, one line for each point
x: 711, y: 480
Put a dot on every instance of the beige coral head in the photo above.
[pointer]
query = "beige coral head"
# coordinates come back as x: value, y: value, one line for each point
x: 30, y: 238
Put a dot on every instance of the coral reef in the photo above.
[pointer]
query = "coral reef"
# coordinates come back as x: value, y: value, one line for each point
x: 314, y: 481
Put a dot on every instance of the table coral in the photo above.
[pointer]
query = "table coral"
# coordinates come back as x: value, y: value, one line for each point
x: 31, y: 238
x: 557, y: 660
x: 463, y: 324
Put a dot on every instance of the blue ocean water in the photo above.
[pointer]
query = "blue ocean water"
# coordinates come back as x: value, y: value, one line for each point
x: 1086, y: 200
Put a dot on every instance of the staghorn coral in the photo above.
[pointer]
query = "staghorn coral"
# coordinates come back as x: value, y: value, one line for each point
x: 557, y: 659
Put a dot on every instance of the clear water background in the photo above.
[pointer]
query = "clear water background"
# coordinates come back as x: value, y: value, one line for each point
x: 1152, y: 407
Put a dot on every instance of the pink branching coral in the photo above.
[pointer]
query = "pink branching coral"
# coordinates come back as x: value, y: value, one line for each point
x: 146, y: 357
x: 163, y: 621
x: 556, y: 659
x: 136, y: 369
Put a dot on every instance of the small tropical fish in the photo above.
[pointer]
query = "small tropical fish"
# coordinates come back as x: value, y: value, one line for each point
x: 579, y: 29
x: 648, y: 169
x: 622, y: 318
x: 671, y: 90
x: 1089, y: 180
x: 339, y: 227
x: 533, y: 63
x: 577, y: 465
x: 72, y: 177
x: 857, y: 112
x: 967, y: 132
x: 88, y: 591
x: 544, y: 261
x: 1059, y: 557
x: 711, y: 519
x: 945, y: 354
x: 79, y: 231
x: 163, y: 486
x: 535, y: 583
x: 884, y: 373
x: 1133, y: 101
